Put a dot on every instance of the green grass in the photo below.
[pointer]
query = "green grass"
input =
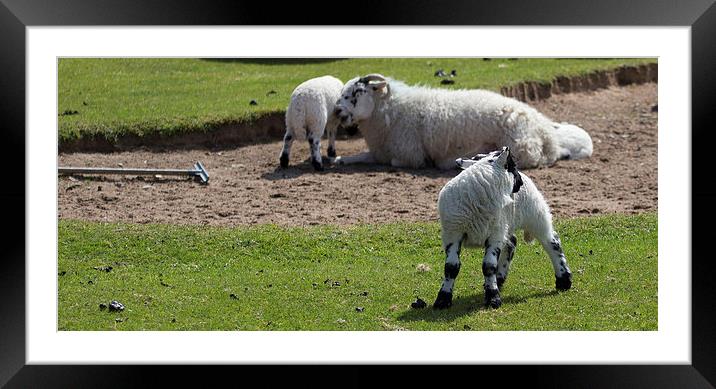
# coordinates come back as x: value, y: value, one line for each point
x: 119, y: 96
x: 183, y: 278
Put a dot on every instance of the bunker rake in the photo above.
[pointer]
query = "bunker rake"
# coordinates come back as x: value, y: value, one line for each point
x: 198, y: 172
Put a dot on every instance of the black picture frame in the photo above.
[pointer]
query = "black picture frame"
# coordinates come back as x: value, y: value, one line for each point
x: 15, y: 15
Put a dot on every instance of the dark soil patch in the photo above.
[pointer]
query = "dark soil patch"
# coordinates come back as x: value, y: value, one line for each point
x: 248, y: 187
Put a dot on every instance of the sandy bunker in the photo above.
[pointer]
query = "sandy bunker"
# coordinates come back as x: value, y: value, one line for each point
x: 247, y: 186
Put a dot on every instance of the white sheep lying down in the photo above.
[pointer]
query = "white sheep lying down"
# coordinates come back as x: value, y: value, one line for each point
x: 483, y: 206
x: 309, y: 115
x: 411, y: 126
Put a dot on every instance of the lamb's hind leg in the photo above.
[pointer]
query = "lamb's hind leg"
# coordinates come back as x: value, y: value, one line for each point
x: 331, y: 130
x: 287, y: 142
x: 314, y: 142
x: 505, y: 260
x: 489, y: 270
x: 452, y: 248
x: 553, y: 246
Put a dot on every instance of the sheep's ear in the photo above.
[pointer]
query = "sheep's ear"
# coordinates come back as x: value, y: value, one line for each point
x: 378, y: 85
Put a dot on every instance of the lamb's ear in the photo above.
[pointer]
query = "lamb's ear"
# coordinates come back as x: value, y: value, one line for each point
x: 479, y: 157
x: 503, y: 157
x: 512, y: 168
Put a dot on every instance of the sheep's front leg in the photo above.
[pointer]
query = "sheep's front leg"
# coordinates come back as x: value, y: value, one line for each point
x: 315, y: 144
x: 452, y: 268
x: 489, y: 270
x: 505, y: 260
x: 287, y: 142
x: 553, y: 246
x: 366, y: 157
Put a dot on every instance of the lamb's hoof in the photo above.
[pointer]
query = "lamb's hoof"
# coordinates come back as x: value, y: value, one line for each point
x: 317, y: 165
x: 284, y: 160
x: 492, y: 298
x: 351, y: 130
x: 500, y: 282
x: 564, y: 282
x: 443, y: 301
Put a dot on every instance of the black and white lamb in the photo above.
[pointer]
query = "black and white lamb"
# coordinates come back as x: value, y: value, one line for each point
x: 483, y: 206
x: 309, y: 115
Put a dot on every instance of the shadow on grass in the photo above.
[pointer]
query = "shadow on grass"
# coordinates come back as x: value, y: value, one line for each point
x: 275, y: 61
x: 462, y: 306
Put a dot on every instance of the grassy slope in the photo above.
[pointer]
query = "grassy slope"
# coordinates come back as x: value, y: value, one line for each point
x: 117, y: 96
x: 182, y: 278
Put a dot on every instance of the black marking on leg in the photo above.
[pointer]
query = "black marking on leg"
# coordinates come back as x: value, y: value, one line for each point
x: 564, y: 282
x: 496, y: 252
x: 284, y: 160
x: 500, y: 281
x: 331, y: 152
x: 488, y: 269
x: 510, y: 253
x: 492, y: 297
x: 452, y: 270
x: 444, y: 300
x: 287, y: 138
x: 513, y: 240
x: 447, y: 248
x: 308, y: 132
x: 556, y: 246
x: 317, y: 165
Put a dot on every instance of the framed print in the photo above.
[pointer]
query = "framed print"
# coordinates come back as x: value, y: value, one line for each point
x: 265, y: 281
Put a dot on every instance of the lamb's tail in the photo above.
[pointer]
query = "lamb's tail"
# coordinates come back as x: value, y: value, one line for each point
x: 573, y: 141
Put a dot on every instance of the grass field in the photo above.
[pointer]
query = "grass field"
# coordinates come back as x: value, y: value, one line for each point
x: 111, y: 97
x: 272, y: 278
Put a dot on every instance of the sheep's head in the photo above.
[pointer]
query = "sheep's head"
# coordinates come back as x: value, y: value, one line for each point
x: 500, y: 159
x: 359, y: 97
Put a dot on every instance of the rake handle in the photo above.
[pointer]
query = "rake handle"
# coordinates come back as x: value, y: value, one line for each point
x: 198, y: 171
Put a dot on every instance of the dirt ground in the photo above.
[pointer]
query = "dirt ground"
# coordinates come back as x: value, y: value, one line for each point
x: 246, y: 185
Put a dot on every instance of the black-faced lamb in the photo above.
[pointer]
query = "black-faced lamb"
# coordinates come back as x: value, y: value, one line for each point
x: 483, y: 206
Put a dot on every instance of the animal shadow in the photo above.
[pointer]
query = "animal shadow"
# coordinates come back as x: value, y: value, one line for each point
x: 300, y: 168
x: 462, y: 306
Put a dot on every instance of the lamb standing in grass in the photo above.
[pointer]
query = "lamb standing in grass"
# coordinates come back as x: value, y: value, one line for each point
x: 310, y: 112
x: 483, y: 206
x: 411, y: 126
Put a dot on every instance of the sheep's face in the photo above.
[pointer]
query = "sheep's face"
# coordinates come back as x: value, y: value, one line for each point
x: 499, y: 159
x: 358, y: 99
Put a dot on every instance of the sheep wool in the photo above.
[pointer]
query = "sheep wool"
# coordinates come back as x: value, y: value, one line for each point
x: 309, y: 115
x: 483, y: 206
x: 414, y: 126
